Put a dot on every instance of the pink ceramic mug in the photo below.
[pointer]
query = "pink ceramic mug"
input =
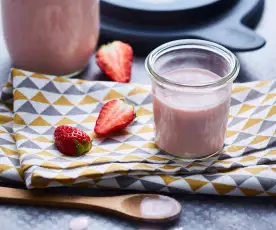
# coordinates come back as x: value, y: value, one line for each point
x: 51, y: 36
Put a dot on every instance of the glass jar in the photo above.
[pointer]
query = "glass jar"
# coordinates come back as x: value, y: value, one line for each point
x: 191, y: 87
x: 51, y: 36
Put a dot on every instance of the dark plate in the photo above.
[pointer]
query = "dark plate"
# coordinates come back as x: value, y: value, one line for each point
x: 164, y: 5
x: 221, y: 21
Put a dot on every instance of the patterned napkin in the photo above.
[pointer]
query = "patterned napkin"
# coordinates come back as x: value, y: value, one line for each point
x: 130, y: 159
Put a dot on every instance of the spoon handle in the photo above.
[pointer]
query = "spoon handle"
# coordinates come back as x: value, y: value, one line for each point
x: 18, y: 196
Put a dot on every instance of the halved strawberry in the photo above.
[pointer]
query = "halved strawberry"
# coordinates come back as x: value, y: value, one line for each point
x: 115, y: 115
x: 72, y: 141
x: 115, y: 60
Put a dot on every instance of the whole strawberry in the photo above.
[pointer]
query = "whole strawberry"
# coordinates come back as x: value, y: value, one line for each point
x: 72, y: 141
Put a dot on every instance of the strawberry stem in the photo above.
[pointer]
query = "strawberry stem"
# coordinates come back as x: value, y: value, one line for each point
x: 82, y: 148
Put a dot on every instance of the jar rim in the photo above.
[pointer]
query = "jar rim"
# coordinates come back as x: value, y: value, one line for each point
x: 198, y: 44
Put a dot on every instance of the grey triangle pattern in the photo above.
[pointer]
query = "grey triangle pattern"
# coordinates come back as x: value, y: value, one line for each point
x: 27, y: 83
x: 82, y: 127
x: 151, y: 186
x: 73, y: 90
x: 147, y: 100
x: 52, y: 147
x: 162, y: 153
x: 59, y: 159
x: 5, y: 142
x: 248, y: 149
x: 253, y: 94
x: 29, y: 130
x: 139, y: 151
x: 241, y: 137
x: 27, y: 107
x: 2, y: 110
x: 50, y: 87
x: 239, y: 179
x: 175, y: 190
x: 131, y: 102
x: 14, y: 161
x: 223, y: 156
x: 236, y: 165
x: 272, y: 87
x: 260, y: 109
x: 29, y: 144
x: 151, y: 121
x: 266, y: 183
x: 266, y: 125
x: 235, y: 102
x: 76, y: 111
x: 272, y: 141
x: 136, y: 123
x: 96, y: 87
x: 31, y: 156
x: 264, y: 161
x: 98, y: 108
x: 109, y: 141
x: 236, y: 121
x: 212, y: 177
x: 51, y: 111
x: 50, y: 131
x: 135, y: 138
x: 183, y: 170
x: 9, y: 129
x: 7, y: 97
x: 125, y: 181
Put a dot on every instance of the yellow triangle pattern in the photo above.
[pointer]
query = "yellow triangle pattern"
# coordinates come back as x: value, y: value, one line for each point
x: 271, y: 112
x: 195, y: 184
x: 223, y: 189
x: 8, y: 151
x: 19, y: 96
x: 63, y: 101
x: 17, y: 73
x: 88, y: 100
x: 39, y: 97
x: 112, y: 95
x: 89, y: 119
x: 39, y: 121
x: 137, y: 90
x: 251, y: 122
x: 62, y: 80
x: 19, y: 136
x: 18, y: 120
x: 39, y: 76
x: 169, y: 179
x: 42, y: 139
x: 5, y: 119
x: 259, y: 139
x: 143, y: 112
x: 65, y: 121
x: 268, y: 97
x: 99, y: 155
x: 245, y: 108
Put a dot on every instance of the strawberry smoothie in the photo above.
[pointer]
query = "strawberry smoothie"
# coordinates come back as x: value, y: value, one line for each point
x: 51, y: 36
x: 191, y: 124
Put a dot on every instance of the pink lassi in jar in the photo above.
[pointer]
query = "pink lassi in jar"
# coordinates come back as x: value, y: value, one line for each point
x: 191, y: 87
x: 51, y: 36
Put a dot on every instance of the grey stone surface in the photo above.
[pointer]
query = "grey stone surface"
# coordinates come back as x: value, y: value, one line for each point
x: 199, y: 213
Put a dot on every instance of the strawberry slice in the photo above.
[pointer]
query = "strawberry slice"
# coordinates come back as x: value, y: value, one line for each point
x: 115, y: 60
x: 115, y: 115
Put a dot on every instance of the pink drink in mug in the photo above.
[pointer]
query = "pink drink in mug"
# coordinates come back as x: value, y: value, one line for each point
x: 191, y: 81
x: 51, y: 36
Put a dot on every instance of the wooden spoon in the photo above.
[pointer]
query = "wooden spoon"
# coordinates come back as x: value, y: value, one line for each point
x: 146, y: 207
